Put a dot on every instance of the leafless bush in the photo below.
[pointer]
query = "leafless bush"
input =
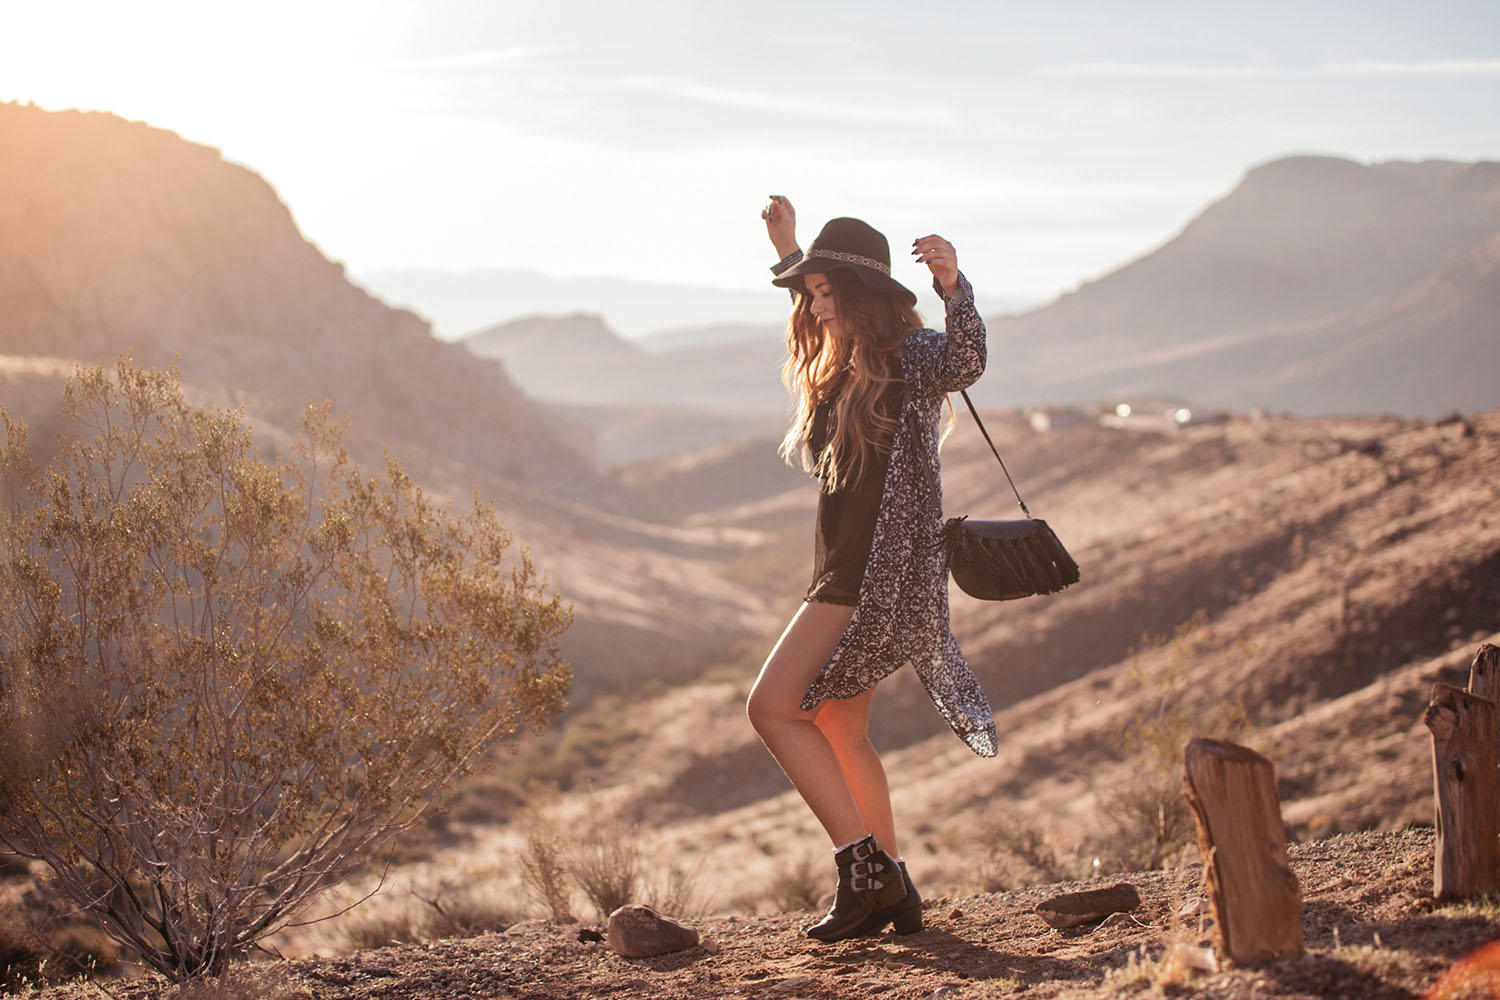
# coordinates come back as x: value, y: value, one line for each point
x: 246, y: 983
x: 608, y: 865
x: 798, y: 885
x: 1018, y: 851
x: 23, y: 953
x: 467, y: 912
x: 381, y: 928
x: 544, y: 870
x: 678, y: 889
x: 36, y: 949
x: 1152, y: 821
x: 83, y: 950
x: 225, y: 684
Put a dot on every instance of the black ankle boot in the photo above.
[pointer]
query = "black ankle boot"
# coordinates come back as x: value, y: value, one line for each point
x: 905, y: 917
x: 869, y: 883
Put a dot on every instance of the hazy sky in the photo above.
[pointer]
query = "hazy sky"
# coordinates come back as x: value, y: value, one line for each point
x: 1051, y: 141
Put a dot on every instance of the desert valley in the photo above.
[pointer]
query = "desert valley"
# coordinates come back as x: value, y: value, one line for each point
x: 1291, y: 566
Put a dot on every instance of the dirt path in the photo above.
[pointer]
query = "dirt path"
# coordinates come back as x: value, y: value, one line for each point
x: 1372, y: 931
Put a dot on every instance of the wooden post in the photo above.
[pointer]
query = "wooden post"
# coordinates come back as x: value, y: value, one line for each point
x: 1467, y: 789
x: 1256, y: 901
x: 1484, y: 673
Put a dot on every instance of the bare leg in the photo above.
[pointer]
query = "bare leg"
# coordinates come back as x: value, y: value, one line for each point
x: 798, y: 745
x: 845, y: 724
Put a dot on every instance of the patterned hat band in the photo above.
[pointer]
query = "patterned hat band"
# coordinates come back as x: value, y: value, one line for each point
x: 852, y: 258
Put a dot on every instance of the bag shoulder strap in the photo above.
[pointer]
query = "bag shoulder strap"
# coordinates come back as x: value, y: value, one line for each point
x: 991, y: 443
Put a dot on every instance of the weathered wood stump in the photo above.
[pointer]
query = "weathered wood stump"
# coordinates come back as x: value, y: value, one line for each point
x: 1484, y: 673
x: 1254, y: 895
x: 1466, y: 786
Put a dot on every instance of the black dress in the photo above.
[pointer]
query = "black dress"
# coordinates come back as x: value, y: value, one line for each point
x: 846, y: 517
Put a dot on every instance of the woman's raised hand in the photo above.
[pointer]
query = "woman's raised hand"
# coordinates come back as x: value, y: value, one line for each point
x: 781, y: 225
x: 941, y: 259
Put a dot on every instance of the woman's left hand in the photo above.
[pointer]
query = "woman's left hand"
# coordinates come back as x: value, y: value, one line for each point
x: 941, y: 259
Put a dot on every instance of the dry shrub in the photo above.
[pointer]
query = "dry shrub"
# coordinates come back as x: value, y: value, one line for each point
x: 36, y: 950
x: 227, y: 682
x: 467, y: 912
x: 22, y: 951
x: 798, y: 885
x: 246, y: 983
x: 608, y: 865
x: 1019, y: 851
x: 679, y: 890
x: 544, y: 866
x: 1153, y: 824
x: 380, y: 929
x: 82, y: 950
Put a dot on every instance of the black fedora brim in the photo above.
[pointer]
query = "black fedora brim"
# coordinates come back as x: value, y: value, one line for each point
x: 868, y: 276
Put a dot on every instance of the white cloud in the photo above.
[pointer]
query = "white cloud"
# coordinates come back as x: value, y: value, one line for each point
x: 791, y: 104
x: 1368, y: 67
x: 1420, y: 67
x: 1162, y: 71
x: 482, y: 57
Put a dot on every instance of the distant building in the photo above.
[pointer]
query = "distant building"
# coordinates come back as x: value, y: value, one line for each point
x: 1158, y: 414
x: 1056, y: 418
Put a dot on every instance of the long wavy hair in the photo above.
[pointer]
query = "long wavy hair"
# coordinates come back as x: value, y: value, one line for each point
x: 852, y: 369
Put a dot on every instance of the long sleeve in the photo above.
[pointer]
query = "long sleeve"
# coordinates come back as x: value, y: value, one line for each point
x: 786, y: 263
x: 953, y: 360
x: 964, y: 353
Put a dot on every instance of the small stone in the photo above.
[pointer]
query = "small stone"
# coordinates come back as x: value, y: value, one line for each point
x: 955, y: 914
x: 587, y: 935
x: 943, y: 991
x: 1193, y: 907
x: 794, y: 983
x: 637, y: 931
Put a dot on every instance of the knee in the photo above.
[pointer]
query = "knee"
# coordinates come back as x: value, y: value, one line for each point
x: 762, y: 711
x: 840, y: 730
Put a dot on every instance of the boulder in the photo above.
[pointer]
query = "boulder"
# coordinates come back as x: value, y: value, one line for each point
x: 637, y: 931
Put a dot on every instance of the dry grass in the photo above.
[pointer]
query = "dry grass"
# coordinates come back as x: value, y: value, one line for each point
x: 798, y: 885
x: 544, y: 872
x: 608, y: 866
x: 392, y: 925
x: 245, y: 983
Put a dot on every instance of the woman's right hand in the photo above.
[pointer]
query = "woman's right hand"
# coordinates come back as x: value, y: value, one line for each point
x: 781, y: 225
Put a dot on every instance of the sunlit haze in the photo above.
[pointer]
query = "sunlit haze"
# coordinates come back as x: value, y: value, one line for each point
x: 1050, y: 141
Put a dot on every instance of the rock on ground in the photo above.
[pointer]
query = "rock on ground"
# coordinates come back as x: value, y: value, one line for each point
x: 637, y: 931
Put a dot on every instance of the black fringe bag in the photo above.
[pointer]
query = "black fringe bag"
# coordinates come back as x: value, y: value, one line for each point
x: 1002, y: 560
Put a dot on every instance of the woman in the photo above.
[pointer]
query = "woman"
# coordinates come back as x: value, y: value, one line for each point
x: 870, y: 383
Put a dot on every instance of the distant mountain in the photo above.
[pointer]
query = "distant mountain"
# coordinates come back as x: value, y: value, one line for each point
x: 1316, y: 286
x: 729, y: 370
x: 117, y: 237
x: 714, y: 335
x: 458, y: 304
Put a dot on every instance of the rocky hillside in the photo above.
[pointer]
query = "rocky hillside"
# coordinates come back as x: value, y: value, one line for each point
x: 116, y: 237
x: 730, y: 370
x: 1317, y: 286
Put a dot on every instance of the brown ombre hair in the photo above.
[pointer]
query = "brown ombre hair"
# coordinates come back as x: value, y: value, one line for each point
x: 852, y: 368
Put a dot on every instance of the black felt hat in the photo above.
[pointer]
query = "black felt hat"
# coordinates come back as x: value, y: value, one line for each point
x: 851, y: 244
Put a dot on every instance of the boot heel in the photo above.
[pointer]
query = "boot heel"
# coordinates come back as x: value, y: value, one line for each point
x: 908, y: 921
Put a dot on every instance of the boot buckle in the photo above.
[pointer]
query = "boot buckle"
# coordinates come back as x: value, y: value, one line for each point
x: 864, y: 849
x: 866, y: 868
x: 869, y: 883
